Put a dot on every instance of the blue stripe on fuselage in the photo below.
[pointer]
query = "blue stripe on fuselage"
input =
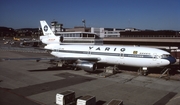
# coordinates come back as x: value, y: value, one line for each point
x: 105, y: 53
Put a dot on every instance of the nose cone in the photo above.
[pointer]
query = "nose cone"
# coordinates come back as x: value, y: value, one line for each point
x: 171, y: 59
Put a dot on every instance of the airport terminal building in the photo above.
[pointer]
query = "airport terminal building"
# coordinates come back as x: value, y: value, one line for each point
x: 97, y: 32
x: 115, y: 32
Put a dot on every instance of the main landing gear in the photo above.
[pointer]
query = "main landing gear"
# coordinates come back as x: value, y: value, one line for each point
x: 142, y: 71
x: 63, y: 64
x: 109, y: 70
x: 55, y: 64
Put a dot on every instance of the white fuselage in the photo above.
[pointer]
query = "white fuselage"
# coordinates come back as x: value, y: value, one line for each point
x: 118, y: 55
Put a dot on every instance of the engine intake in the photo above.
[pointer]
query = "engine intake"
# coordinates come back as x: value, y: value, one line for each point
x: 87, y: 66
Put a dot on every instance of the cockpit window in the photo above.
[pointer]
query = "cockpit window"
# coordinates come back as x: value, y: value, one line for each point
x: 165, y: 56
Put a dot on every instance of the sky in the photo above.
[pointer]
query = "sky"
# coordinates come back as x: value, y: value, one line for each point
x: 140, y: 14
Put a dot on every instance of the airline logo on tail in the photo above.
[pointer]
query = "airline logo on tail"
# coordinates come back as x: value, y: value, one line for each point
x: 45, y: 28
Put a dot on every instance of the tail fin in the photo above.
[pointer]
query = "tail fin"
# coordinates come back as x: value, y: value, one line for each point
x: 46, y: 29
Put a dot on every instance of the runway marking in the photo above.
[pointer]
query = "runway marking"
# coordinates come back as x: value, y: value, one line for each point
x: 164, y: 100
x: 70, y: 79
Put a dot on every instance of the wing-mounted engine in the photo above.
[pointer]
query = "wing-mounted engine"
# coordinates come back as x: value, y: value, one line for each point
x: 87, y: 66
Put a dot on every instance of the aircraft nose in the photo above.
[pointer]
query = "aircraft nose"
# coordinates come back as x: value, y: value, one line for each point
x: 171, y: 59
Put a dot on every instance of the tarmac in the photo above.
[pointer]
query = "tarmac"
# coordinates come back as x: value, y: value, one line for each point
x: 31, y: 83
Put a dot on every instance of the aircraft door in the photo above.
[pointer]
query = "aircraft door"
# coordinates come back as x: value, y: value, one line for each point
x: 121, y: 55
x: 121, y: 58
x: 89, y: 51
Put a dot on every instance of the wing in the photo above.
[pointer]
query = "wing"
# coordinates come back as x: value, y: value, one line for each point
x: 60, y: 58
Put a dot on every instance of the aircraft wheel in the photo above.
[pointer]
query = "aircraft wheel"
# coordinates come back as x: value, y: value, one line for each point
x: 74, y: 68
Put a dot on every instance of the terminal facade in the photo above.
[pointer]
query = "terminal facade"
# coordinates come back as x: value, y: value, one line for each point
x: 98, y: 32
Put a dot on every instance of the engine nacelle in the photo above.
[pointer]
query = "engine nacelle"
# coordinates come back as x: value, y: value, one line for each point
x: 87, y: 66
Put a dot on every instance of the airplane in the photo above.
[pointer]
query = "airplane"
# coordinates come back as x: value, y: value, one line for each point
x: 89, y: 57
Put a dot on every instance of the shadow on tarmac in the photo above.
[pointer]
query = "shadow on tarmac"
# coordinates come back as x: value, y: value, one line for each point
x: 49, y: 69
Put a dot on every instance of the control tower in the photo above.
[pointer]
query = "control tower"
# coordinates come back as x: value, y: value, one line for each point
x: 56, y: 27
